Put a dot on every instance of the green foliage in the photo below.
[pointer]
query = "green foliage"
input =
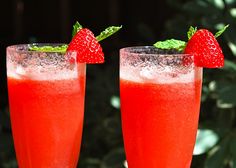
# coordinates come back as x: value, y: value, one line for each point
x: 218, y: 107
x: 102, y: 145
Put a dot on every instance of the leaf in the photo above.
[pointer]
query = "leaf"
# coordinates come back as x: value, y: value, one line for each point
x: 233, y: 148
x: 61, y: 48
x: 217, y: 155
x: 114, y: 159
x: 76, y: 28
x: 227, y: 94
x: 170, y: 44
x: 206, y: 139
x: 229, y: 65
x: 108, y: 32
x: 192, y: 30
x: 221, y: 31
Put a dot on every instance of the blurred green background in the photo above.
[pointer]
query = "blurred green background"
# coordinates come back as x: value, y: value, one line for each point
x: 143, y: 24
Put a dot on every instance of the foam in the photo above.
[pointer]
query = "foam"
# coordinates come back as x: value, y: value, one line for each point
x: 165, y: 75
x: 20, y: 73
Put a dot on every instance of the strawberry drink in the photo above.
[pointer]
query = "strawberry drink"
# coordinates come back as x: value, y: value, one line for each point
x: 46, y: 96
x: 160, y: 90
x: 160, y: 101
x: 46, y: 86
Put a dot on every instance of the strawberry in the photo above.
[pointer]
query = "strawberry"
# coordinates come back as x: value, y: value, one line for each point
x: 87, y: 47
x: 206, y: 50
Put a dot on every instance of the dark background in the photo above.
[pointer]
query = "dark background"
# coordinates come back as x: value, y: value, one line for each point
x: 144, y: 22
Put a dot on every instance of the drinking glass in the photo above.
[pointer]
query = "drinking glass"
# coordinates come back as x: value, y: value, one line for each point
x: 46, y: 98
x: 160, y: 102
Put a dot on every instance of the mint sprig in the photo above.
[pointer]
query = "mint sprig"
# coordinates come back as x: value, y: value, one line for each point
x: 171, y: 44
x: 221, y: 31
x: 61, y: 48
x: 179, y: 44
x: 108, y: 32
x: 76, y: 27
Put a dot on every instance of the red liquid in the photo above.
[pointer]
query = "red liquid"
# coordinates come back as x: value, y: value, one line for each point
x: 159, y: 123
x: 47, y: 119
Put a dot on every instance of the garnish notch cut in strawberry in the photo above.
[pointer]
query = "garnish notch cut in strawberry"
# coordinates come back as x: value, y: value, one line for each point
x: 202, y: 45
x: 84, y: 43
x: 87, y: 45
x: 206, y: 50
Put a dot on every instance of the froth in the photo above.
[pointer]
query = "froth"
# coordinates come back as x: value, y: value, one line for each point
x: 155, y: 75
x: 34, y: 75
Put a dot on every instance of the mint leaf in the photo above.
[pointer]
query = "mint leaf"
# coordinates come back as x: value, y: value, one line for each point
x: 61, y: 48
x: 170, y: 44
x: 76, y: 28
x: 108, y: 32
x: 192, y: 30
x: 221, y: 31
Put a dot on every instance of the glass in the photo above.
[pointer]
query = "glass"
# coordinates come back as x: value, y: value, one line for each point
x: 46, y: 98
x: 160, y: 103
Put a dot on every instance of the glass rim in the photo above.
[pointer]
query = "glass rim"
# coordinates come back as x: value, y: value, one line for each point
x: 26, y: 45
x: 166, y: 53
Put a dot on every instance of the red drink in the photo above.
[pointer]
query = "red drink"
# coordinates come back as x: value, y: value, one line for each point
x: 160, y: 109
x: 46, y: 108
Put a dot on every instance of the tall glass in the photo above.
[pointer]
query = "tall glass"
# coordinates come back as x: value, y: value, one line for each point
x: 160, y: 100
x: 46, y: 97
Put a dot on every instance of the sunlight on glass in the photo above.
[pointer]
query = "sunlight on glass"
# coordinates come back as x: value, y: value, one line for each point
x: 232, y: 47
x: 206, y: 139
x: 233, y: 12
x: 115, y: 102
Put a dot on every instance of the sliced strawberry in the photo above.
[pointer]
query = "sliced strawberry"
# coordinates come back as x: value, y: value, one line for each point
x: 87, y: 47
x: 206, y: 50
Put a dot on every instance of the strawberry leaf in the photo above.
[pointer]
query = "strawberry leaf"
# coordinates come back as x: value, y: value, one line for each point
x: 221, y: 31
x: 76, y: 28
x: 171, y: 44
x: 108, y: 32
x: 192, y: 30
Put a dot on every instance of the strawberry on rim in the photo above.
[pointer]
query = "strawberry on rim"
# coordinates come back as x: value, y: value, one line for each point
x: 84, y: 43
x: 87, y: 45
x: 206, y: 50
x: 202, y: 44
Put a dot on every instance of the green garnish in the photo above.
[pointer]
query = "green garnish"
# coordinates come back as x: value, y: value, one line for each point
x: 171, y: 44
x: 192, y: 30
x: 61, y: 48
x: 180, y: 45
x: 221, y: 31
x: 76, y: 27
x: 108, y: 32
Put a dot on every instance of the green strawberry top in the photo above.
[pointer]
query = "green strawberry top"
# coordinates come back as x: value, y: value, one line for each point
x: 76, y: 28
x: 202, y: 44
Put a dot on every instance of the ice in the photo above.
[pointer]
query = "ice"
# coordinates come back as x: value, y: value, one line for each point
x: 154, y: 75
x: 20, y: 72
x: 148, y: 73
